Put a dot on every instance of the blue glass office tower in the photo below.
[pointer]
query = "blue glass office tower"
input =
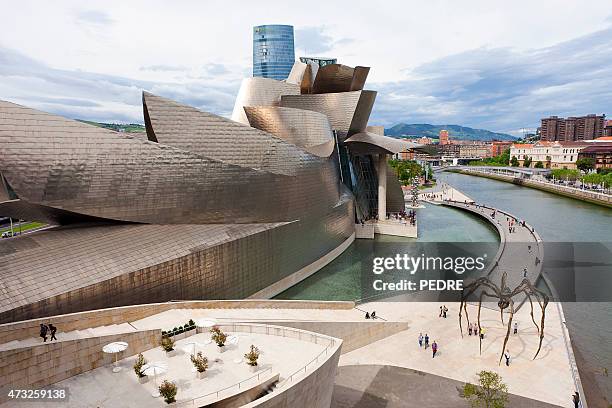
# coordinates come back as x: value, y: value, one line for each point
x: 273, y: 52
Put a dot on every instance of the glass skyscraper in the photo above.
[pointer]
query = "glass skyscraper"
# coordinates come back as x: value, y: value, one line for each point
x: 273, y: 51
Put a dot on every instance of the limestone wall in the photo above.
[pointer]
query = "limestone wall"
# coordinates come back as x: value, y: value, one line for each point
x: 46, y: 364
x: 117, y: 315
x: 353, y: 334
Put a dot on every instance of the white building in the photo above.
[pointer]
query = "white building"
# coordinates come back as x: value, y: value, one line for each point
x: 553, y: 155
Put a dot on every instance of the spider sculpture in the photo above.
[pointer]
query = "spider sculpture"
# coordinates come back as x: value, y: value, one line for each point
x: 505, y: 295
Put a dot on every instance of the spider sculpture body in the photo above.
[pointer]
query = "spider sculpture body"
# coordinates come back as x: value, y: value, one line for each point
x: 505, y: 300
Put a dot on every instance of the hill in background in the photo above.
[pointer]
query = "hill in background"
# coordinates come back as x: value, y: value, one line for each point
x: 118, y: 127
x: 455, y: 131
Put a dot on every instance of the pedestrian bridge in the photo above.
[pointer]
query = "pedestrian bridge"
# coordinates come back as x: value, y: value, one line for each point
x: 520, y: 172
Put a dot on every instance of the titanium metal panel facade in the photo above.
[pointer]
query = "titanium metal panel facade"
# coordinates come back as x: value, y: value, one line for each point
x: 371, y: 143
x: 348, y: 112
x: 260, y: 92
x: 79, y: 168
x: 205, y: 208
x: 340, y: 78
x: 90, y: 177
x: 273, y: 51
x: 307, y: 129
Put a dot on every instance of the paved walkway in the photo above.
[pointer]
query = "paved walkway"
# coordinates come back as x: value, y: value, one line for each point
x: 443, y: 192
x: 548, y: 378
x: 377, y: 386
x: 521, y: 251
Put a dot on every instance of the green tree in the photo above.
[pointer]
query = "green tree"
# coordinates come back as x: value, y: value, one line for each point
x: 565, y: 174
x: 514, y: 162
x: 585, y: 164
x: 406, y: 170
x: 539, y: 165
x: 490, y: 392
x: 527, y: 161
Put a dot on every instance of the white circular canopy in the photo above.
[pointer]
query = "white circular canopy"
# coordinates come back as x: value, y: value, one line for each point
x: 155, y: 368
x: 115, y: 347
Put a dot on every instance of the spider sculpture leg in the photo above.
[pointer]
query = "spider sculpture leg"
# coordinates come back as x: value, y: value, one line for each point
x: 463, y: 306
x: 471, y: 288
x: 542, y: 299
x: 543, y: 303
x: 508, y: 331
x: 482, y: 294
x: 531, y: 313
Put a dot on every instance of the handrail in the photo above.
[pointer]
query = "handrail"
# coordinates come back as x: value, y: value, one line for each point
x: 235, y: 326
x: 192, y: 401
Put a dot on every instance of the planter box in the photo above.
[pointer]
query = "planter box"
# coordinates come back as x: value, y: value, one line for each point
x: 253, y: 368
x: 143, y: 379
x: 171, y: 353
x: 221, y: 349
x: 200, y: 375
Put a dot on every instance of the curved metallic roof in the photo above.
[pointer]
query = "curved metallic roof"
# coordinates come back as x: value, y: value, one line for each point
x: 348, y: 112
x: 258, y: 91
x: 366, y: 142
x: 307, y: 129
x: 79, y: 168
x: 339, y: 78
x: 187, y: 128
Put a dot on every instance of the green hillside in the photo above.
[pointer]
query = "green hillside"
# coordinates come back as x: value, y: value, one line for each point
x: 118, y: 127
x: 455, y: 131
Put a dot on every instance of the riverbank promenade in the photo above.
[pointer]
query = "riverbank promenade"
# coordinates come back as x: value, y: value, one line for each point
x: 594, y: 197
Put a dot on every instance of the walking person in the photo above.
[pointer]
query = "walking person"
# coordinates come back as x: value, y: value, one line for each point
x: 482, y: 333
x: 470, y: 329
x: 444, y: 311
x: 507, y: 357
x: 53, y: 329
x: 576, y: 399
x: 426, y: 341
x: 515, y: 327
x: 440, y: 315
x: 373, y: 315
x: 367, y: 316
x: 434, y: 349
x: 420, y: 340
x: 43, y: 332
x: 525, y: 272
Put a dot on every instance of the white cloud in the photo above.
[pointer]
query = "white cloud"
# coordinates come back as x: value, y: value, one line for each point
x: 473, y: 62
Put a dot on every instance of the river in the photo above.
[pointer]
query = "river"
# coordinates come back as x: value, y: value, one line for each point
x: 556, y: 218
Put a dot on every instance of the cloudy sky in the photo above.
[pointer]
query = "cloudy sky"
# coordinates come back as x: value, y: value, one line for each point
x: 491, y: 64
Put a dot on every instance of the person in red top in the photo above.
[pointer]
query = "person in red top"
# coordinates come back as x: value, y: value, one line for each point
x: 434, y: 348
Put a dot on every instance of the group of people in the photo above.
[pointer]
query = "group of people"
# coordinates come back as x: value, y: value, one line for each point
x: 404, y: 217
x: 476, y: 331
x: 424, y: 341
x: 371, y: 315
x: 44, y: 329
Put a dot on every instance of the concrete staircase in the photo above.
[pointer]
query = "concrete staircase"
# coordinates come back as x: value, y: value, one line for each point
x: 71, y: 335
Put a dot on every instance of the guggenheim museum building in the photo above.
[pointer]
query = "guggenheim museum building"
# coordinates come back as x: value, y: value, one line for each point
x: 204, y: 207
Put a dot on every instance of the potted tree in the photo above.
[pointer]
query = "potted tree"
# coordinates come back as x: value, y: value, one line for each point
x: 167, y: 344
x: 140, y: 361
x: 252, y: 357
x: 200, y: 363
x: 168, y: 390
x: 218, y: 337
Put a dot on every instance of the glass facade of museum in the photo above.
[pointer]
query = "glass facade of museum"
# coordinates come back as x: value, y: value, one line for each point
x: 273, y: 51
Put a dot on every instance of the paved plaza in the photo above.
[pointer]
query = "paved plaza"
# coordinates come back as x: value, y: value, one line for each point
x: 101, y: 387
x: 374, y: 386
